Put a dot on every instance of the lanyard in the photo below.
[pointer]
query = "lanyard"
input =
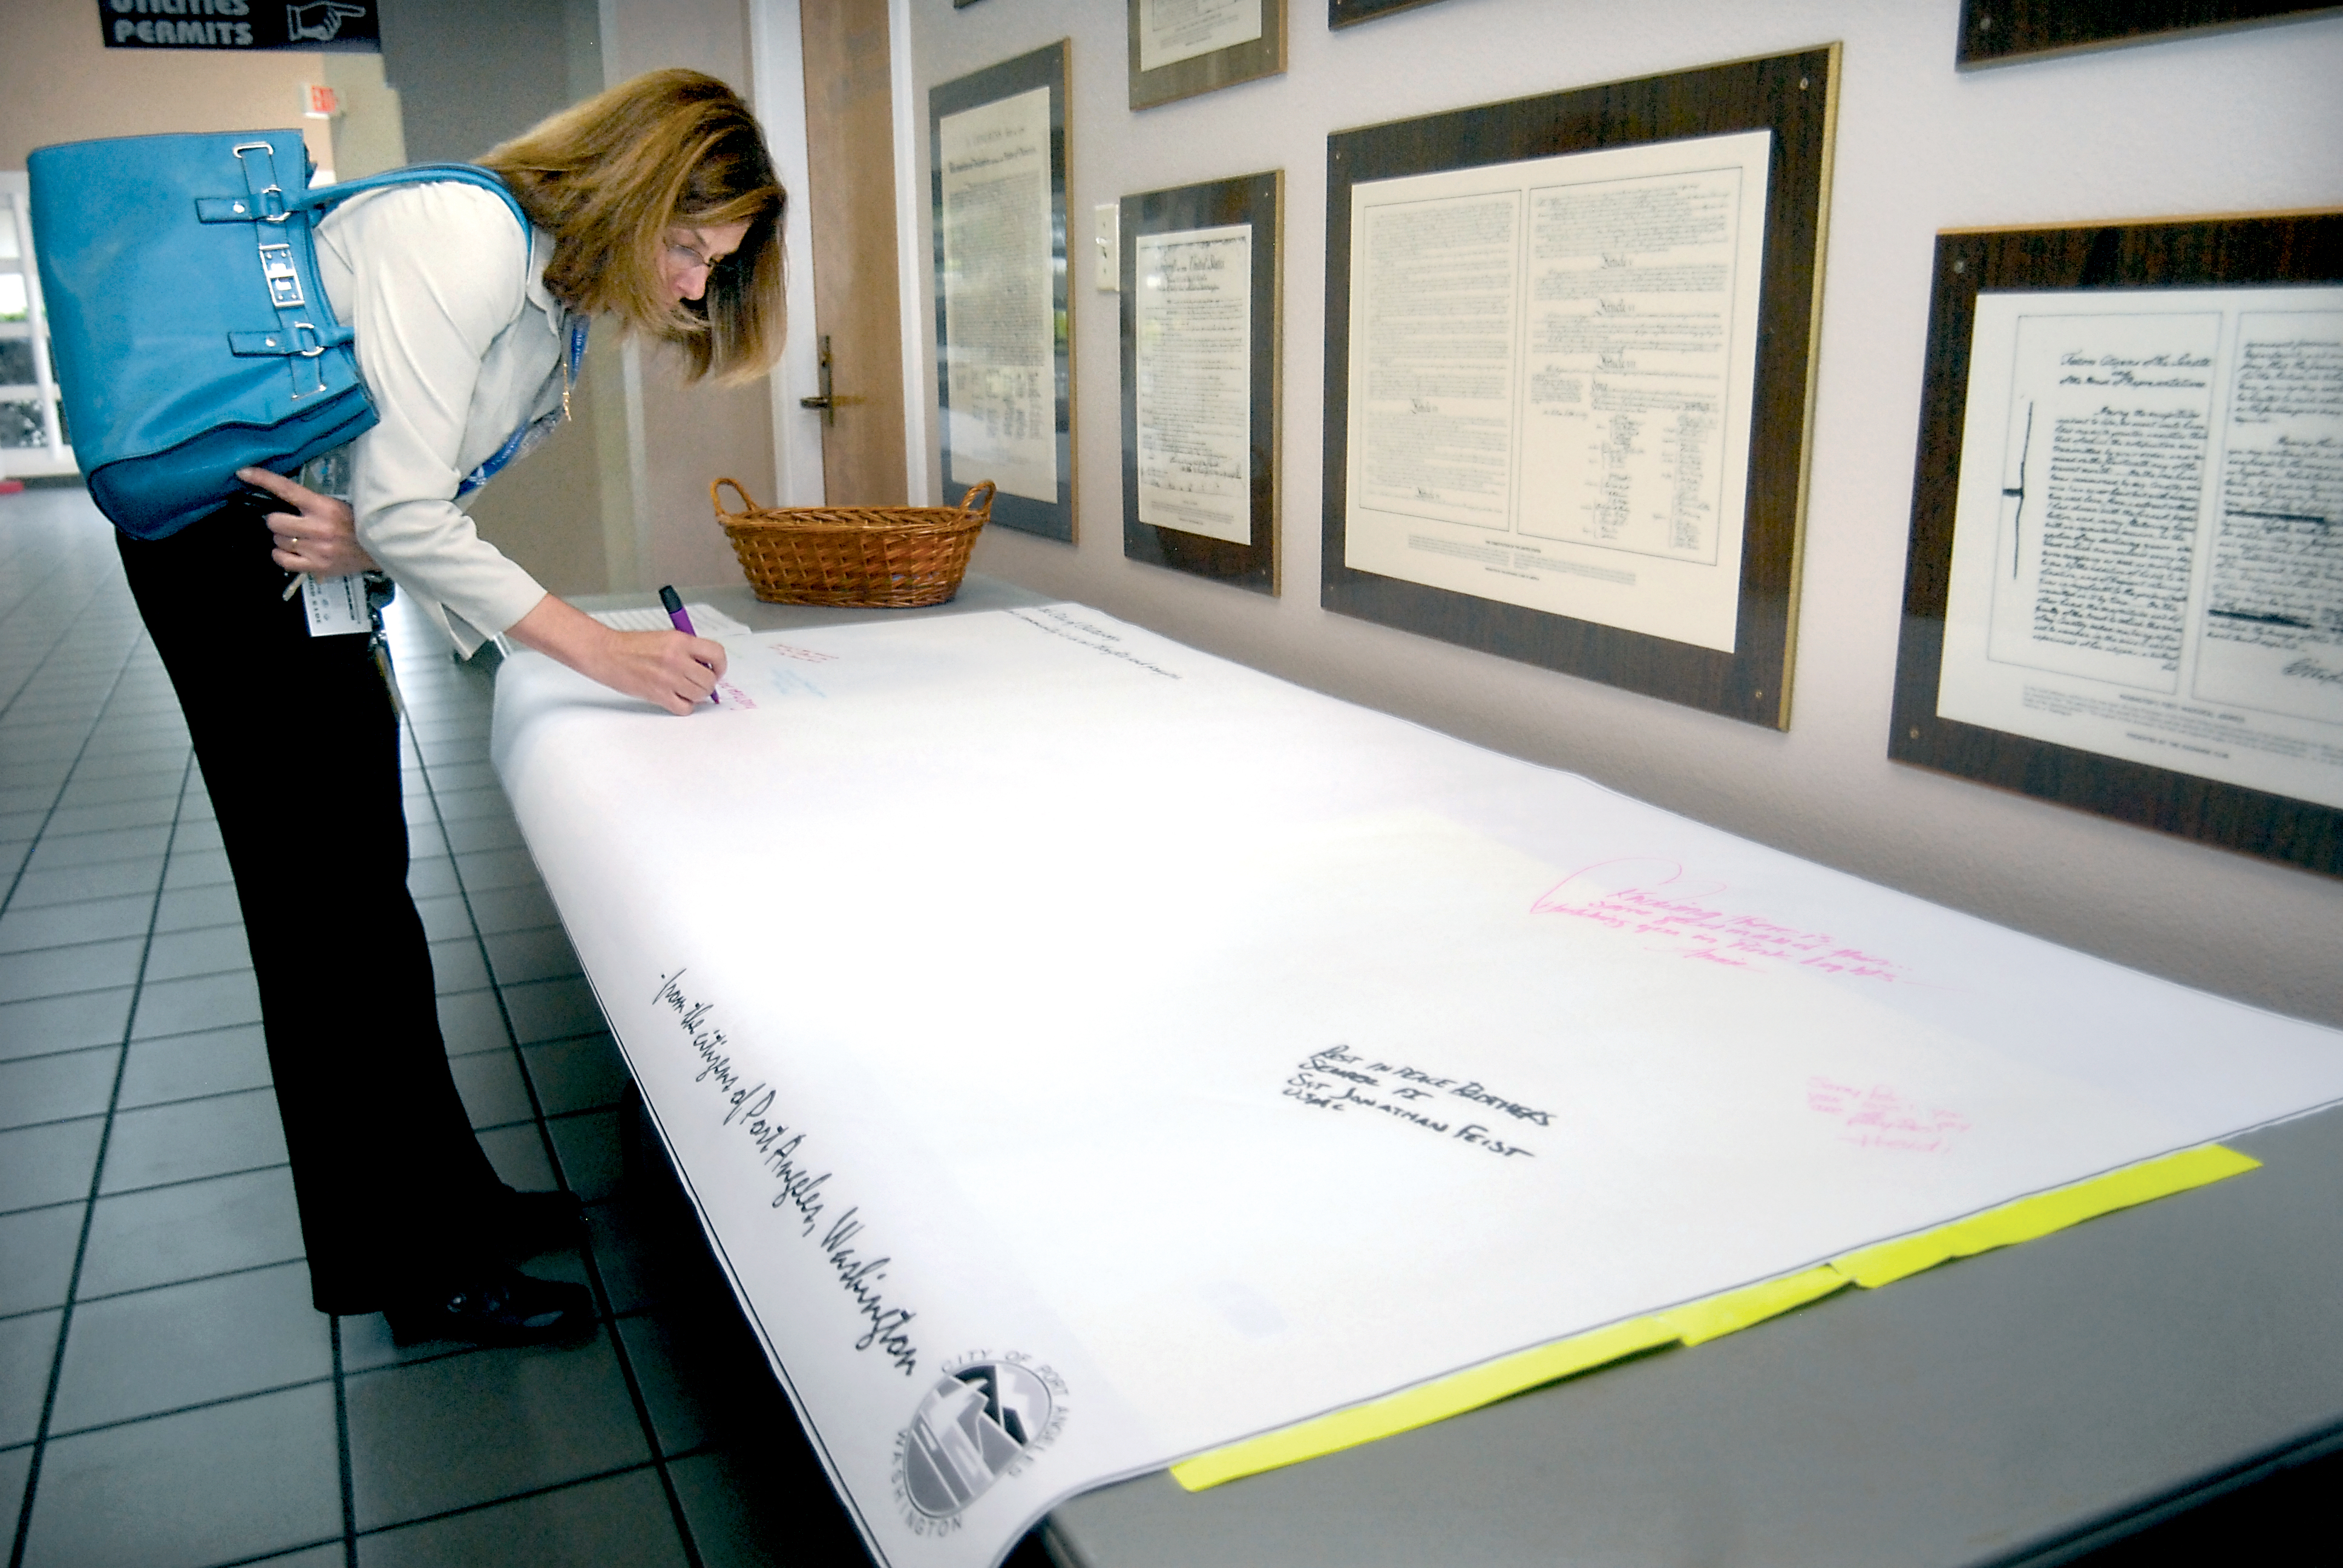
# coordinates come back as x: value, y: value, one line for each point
x: 533, y: 433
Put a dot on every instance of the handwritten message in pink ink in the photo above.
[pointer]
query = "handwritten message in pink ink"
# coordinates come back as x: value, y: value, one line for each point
x: 733, y: 695
x: 1649, y: 897
x: 1880, y: 1118
x: 805, y: 655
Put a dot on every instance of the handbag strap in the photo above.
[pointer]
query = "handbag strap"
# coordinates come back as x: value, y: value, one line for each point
x: 326, y: 196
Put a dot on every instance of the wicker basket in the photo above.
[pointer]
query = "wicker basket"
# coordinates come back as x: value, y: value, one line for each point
x: 884, y: 556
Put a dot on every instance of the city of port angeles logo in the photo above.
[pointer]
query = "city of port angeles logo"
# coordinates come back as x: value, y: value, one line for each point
x: 986, y: 1417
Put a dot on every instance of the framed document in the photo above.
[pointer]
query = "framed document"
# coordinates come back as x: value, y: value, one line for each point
x: 1180, y: 48
x: 1200, y: 378
x: 2125, y: 587
x: 1004, y: 381
x: 1995, y: 32
x: 1569, y: 363
x: 1343, y: 12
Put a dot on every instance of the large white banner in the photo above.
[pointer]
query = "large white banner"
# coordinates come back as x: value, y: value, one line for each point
x: 1087, y: 1052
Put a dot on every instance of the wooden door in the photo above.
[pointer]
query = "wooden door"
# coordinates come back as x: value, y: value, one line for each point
x: 850, y: 205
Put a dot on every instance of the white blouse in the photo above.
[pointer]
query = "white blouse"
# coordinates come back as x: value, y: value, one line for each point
x: 460, y: 344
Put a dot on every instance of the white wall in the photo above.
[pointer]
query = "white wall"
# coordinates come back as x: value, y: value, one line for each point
x: 2246, y: 121
x: 683, y: 435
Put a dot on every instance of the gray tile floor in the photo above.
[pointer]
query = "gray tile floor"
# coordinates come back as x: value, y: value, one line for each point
x: 167, y: 1397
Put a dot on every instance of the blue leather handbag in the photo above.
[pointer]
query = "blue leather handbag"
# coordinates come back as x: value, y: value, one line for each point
x: 192, y: 337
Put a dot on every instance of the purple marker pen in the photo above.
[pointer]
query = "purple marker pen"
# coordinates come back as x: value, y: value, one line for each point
x: 672, y: 602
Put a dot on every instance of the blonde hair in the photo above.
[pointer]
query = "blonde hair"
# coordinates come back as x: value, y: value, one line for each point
x: 609, y: 176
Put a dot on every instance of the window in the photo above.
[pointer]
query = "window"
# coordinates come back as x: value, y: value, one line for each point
x: 33, y: 436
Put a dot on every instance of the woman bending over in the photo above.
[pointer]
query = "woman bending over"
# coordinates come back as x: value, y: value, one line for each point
x: 653, y: 206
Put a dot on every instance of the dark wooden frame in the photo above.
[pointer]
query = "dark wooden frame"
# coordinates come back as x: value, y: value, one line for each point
x: 1044, y: 67
x: 1997, y: 32
x: 2206, y: 253
x: 1255, y: 199
x: 1795, y: 97
x: 1263, y: 56
x: 1351, y: 12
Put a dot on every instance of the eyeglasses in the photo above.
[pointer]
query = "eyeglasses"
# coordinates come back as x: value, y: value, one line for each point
x: 693, y: 259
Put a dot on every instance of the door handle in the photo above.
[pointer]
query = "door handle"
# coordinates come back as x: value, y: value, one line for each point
x: 825, y: 401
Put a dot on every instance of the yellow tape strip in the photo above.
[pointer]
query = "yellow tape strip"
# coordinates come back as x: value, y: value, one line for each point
x: 1714, y: 1317
x: 1422, y: 1405
x: 1695, y: 1322
x: 2028, y: 1218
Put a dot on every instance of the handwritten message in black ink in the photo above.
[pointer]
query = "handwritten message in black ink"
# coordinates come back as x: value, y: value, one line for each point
x: 2119, y: 531
x: 1081, y: 633
x: 1462, y: 1110
x: 803, y: 1193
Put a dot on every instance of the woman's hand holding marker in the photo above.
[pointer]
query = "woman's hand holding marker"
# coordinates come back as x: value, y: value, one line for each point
x: 667, y: 667
x: 680, y: 619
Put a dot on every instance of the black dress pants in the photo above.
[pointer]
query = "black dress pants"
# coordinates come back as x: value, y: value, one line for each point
x: 299, y: 746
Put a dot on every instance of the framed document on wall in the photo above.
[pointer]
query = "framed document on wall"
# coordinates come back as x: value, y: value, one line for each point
x: 1346, y: 13
x: 2125, y: 587
x: 1996, y: 32
x: 1180, y: 48
x: 1004, y: 381
x: 1569, y: 365
x: 1200, y: 378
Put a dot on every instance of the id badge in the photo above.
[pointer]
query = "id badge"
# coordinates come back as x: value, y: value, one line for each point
x: 337, y: 606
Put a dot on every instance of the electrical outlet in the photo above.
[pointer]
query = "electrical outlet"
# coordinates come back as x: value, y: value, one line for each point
x: 1106, y: 230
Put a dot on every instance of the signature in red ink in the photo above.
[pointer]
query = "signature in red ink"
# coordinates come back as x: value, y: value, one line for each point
x: 790, y: 650
x: 1646, y: 896
x: 1880, y: 1118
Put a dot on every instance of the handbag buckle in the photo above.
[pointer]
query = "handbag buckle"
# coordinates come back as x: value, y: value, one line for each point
x: 307, y: 345
x: 284, y: 283
x: 268, y: 200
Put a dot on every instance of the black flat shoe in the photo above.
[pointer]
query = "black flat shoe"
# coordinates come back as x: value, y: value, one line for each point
x: 505, y: 1307
x: 534, y: 1222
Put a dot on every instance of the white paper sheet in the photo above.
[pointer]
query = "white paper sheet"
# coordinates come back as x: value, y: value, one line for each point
x: 2148, y: 554
x: 1170, y: 30
x: 705, y: 619
x: 1193, y: 374
x: 1000, y: 346
x: 1087, y: 1053
x: 1552, y: 365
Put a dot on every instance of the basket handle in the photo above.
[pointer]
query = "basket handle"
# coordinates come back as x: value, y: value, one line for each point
x: 716, y: 499
x: 984, y: 488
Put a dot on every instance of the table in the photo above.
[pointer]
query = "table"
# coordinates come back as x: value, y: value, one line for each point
x: 2020, y: 1406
